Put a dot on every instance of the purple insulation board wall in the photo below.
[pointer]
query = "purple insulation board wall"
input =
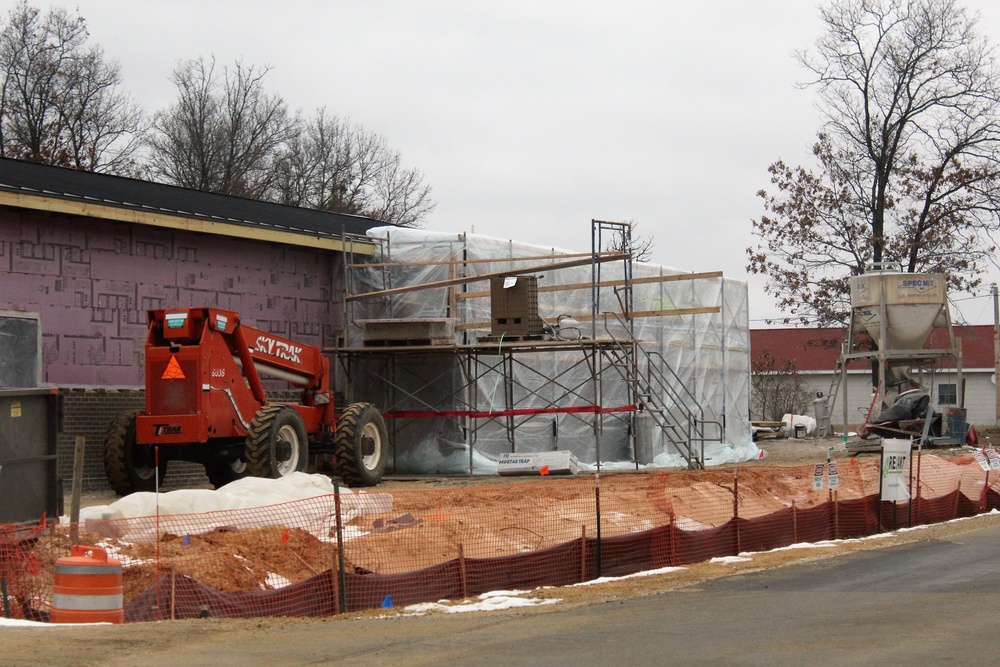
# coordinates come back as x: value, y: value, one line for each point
x: 92, y: 282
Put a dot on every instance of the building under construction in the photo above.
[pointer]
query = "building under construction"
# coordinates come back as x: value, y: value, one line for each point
x: 477, y: 347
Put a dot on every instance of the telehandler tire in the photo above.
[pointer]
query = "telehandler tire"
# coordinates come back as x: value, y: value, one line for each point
x: 130, y: 467
x: 361, y: 446
x: 277, y: 444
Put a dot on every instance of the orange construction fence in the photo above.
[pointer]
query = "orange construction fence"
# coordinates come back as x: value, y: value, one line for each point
x: 361, y: 550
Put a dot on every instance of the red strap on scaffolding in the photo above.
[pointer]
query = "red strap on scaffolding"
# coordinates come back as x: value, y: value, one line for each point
x: 514, y: 412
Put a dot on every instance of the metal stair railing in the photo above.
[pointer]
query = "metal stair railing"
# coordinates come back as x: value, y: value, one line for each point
x: 661, y: 393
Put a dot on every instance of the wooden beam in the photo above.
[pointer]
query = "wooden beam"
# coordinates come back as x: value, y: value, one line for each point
x: 447, y: 262
x: 588, y: 317
x: 599, y: 258
x: 611, y: 283
x: 192, y: 223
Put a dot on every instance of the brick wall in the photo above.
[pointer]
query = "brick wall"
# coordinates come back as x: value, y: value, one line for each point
x: 88, y: 412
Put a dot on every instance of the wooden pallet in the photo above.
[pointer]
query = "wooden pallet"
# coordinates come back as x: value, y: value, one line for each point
x: 508, y: 338
x: 407, y: 342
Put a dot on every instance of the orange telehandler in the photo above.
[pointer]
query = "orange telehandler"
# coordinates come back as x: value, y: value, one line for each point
x: 205, y: 403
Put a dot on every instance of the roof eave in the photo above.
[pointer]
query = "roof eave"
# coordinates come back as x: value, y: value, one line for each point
x: 192, y: 222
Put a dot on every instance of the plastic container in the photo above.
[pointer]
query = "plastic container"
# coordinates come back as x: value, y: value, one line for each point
x: 957, y: 426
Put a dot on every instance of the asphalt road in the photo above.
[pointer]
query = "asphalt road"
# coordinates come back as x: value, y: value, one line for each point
x: 923, y: 603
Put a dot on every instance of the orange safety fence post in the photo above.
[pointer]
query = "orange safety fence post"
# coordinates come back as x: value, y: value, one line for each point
x: 795, y: 523
x: 462, y: 572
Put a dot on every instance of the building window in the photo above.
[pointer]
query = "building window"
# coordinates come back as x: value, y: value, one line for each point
x: 947, y: 394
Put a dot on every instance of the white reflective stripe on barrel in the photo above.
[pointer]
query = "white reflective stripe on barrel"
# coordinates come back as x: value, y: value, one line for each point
x: 86, y: 602
x: 88, y: 569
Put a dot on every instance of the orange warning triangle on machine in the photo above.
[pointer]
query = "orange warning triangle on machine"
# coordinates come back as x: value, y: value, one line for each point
x: 173, y: 370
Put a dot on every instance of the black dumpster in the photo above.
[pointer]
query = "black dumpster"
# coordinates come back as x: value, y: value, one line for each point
x: 28, y: 484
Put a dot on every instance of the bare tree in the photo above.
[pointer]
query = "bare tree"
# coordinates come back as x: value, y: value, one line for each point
x: 909, y: 157
x: 775, y: 391
x: 60, y: 100
x: 335, y: 165
x: 223, y: 134
x: 640, y: 247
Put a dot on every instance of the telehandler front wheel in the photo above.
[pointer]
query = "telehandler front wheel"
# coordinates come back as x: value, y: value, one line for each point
x: 361, y: 445
x: 277, y: 444
x: 130, y: 467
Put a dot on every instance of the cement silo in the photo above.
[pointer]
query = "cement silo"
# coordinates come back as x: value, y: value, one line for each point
x: 899, y: 310
x: 893, y: 314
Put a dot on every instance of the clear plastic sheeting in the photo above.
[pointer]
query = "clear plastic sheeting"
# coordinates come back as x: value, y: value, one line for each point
x: 441, y: 402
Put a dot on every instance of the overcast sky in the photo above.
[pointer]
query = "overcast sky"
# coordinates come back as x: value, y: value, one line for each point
x: 530, y: 118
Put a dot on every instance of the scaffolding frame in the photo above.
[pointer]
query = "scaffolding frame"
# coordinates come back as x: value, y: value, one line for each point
x: 463, y: 366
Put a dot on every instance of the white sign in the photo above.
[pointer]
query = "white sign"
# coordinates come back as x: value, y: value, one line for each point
x: 834, y: 476
x: 994, y: 458
x: 562, y: 462
x: 895, y: 453
x: 509, y: 282
x: 981, y: 460
x: 818, y: 477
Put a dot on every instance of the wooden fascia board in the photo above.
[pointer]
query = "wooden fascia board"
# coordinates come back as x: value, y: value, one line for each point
x: 179, y: 222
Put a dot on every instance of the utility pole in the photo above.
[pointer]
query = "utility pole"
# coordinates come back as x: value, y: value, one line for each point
x: 996, y: 350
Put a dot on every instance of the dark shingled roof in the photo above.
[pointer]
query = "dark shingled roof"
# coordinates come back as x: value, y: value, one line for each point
x: 129, y: 193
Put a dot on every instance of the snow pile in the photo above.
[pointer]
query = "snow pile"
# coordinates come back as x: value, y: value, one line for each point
x: 492, y: 601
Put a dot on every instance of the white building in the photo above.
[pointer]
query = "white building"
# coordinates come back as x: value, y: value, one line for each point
x: 814, y: 354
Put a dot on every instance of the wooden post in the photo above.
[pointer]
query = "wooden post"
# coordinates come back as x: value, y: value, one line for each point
x: 958, y: 492
x: 335, y: 580
x: 341, y: 577
x: 583, y: 553
x: 836, y: 516
x: 983, y: 495
x: 74, y: 512
x: 795, y: 523
x: 675, y: 559
x: 462, y: 572
x: 736, y: 508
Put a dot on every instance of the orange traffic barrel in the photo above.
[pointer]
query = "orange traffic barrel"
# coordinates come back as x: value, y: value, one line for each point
x: 88, y: 587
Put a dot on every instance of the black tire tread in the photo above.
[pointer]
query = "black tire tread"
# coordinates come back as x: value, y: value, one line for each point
x: 346, y: 446
x: 259, y: 437
x: 116, y: 441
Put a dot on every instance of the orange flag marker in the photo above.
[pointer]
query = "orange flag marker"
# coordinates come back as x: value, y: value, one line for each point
x: 544, y: 470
